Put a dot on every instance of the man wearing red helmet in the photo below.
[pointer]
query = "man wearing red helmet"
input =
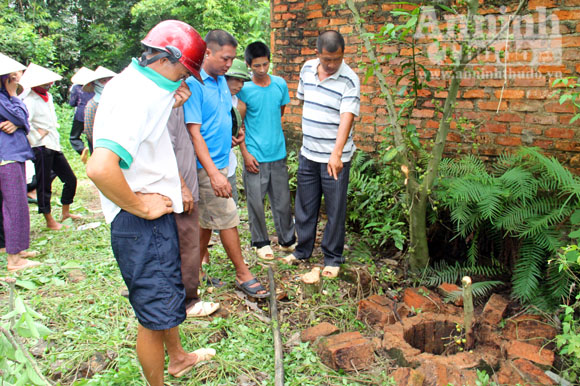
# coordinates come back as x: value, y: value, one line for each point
x: 134, y: 167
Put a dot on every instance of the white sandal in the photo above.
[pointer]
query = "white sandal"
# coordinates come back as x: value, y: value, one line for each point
x: 201, y: 309
x: 265, y: 253
x: 330, y: 272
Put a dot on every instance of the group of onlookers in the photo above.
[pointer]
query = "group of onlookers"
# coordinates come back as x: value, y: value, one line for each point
x: 161, y: 135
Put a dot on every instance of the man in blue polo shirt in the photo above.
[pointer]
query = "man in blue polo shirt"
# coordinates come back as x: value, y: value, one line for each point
x: 209, y: 121
x: 330, y: 90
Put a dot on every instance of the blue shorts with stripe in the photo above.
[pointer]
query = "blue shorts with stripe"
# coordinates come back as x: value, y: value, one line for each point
x: 147, y: 252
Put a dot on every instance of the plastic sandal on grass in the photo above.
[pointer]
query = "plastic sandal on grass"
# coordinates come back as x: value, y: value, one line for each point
x: 330, y: 272
x: 203, y: 355
x: 265, y: 253
x: 201, y: 309
x: 246, y: 287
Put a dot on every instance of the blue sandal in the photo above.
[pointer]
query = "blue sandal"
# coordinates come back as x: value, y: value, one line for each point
x: 246, y: 287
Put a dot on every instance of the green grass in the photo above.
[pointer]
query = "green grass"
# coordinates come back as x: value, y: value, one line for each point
x: 89, y: 318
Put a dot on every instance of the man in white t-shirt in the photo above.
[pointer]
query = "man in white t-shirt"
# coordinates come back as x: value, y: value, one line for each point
x: 135, y: 169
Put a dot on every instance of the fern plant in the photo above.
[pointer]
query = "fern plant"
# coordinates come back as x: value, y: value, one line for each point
x: 526, y: 196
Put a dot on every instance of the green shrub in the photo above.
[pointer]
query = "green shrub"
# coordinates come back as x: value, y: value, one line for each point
x: 527, y: 197
x: 375, y: 201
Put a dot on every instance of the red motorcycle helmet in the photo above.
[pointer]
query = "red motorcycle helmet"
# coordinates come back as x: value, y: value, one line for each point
x: 177, y: 41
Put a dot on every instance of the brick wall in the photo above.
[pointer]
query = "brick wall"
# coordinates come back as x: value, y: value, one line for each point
x: 527, y: 113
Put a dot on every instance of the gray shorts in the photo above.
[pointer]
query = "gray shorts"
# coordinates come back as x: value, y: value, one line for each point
x: 215, y: 212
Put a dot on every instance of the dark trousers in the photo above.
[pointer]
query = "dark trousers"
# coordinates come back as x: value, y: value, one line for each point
x: 45, y: 162
x: 189, y: 249
x: 314, y: 181
x: 75, y: 136
x: 2, y: 241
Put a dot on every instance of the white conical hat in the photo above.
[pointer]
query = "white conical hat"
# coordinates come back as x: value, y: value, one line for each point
x: 36, y: 75
x: 100, y: 73
x: 81, y: 76
x: 8, y: 65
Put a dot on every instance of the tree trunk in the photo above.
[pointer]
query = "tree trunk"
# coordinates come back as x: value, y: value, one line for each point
x: 418, y: 248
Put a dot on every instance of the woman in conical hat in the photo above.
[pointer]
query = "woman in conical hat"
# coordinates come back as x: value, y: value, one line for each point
x: 95, y: 83
x: 78, y: 99
x: 14, y: 151
x: 45, y: 142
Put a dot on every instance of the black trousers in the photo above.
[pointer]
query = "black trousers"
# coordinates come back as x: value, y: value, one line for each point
x: 75, y: 136
x: 47, y: 161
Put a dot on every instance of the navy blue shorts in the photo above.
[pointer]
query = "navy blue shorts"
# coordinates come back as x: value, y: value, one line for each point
x: 147, y: 252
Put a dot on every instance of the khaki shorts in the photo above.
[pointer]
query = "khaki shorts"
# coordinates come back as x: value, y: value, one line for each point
x: 215, y: 212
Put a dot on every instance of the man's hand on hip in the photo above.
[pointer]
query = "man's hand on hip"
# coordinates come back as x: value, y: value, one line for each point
x: 157, y: 205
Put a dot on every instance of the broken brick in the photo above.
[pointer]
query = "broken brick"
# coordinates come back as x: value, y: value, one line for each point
x: 445, y: 288
x: 530, y: 329
x: 541, y: 356
x: 522, y: 372
x: 422, y: 299
x: 494, y: 309
x: 405, y: 376
x: 349, y: 351
x: 322, y: 329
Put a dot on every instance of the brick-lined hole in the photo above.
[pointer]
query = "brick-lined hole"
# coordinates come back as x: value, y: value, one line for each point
x: 435, y: 337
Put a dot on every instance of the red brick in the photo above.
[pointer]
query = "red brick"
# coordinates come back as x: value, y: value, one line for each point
x: 539, y: 94
x: 552, y: 69
x: 496, y: 306
x: 570, y: 41
x: 445, y: 288
x: 418, y: 113
x: 567, y: 15
x: 475, y: 94
x: 405, y: 376
x: 565, y: 119
x: 533, y: 4
x: 492, y: 83
x: 541, y: 119
x: 280, y: 8
x: 510, y: 94
x: 492, y: 105
x: 541, y: 143
x: 348, y: 351
x: 320, y: 330
x: 499, y: 128
x: 314, y: 15
x: 558, y: 108
x: 508, y: 117
x: 556, y: 132
x: 567, y: 146
x: 526, y: 106
x: 508, y: 141
x: 465, y: 105
x: 539, y: 355
x: 511, y: 373
x: 423, y: 299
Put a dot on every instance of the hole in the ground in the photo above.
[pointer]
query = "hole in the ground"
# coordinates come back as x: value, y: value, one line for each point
x: 435, y: 337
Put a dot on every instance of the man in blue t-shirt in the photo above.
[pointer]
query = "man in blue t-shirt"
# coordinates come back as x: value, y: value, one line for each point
x: 264, y: 153
x: 209, y: 122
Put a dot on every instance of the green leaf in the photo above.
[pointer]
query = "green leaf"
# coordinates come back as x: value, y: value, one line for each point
x: 389, y: 155
x: 575, y: 218
x: 575, y: 234
x: 73, y: 264
x: 33, y: 376
x: 29, y: 285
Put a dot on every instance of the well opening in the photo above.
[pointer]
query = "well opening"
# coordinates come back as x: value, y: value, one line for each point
x: 435, y: 337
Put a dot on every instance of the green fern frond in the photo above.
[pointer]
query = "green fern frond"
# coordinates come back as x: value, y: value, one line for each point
x: 479, y: 290
x: 528, y: 271
x: 442, y: 272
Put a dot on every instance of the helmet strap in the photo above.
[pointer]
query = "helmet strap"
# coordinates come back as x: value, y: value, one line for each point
x: 144, y: 61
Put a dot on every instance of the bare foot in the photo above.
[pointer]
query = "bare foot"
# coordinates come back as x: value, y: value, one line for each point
x: 31, y: 194
x: 22, y: 264
x: 28, y: 254
x: 55, y: 226
x: 181, y: 366
x: 70, y: 215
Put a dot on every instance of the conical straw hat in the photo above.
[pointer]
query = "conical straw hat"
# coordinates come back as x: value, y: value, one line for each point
x: 36, y: 75
x: 81, y: 76
x: 8, y: 65
x: 100, y: 73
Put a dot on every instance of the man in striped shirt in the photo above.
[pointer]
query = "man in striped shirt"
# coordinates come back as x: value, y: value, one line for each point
x: 330, y: 90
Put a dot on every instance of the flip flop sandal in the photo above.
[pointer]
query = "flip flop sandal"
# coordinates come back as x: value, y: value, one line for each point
x: 330, y: 272
x: 213, y: 281
x: 203, y: 355
x: 201, y: 309
x: 288, y: 248
x: 291, y: 260
x: 246, y: 287
x: 265, y: 253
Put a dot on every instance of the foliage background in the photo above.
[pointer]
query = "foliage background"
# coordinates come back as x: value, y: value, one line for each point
x: 65, y: 35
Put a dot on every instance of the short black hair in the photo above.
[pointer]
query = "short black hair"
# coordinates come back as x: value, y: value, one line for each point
x: 256, y: 50
x: 330, y: 41
x: 219, y: 38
